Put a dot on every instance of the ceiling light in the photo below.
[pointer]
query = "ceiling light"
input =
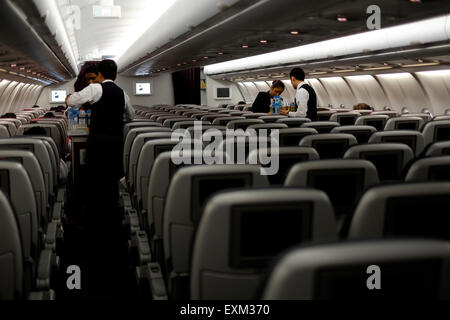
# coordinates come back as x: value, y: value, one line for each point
x: 420, y: 60
x: 294, y: 32
x: 244, y: 46
x: 420, y: 65
x: 341, y: 19
x: 22, y: 68
x: 415, y: 1
x: 220, y: 53
x: 13, y: 65
x: 205, y: 58
x: 348, y: 70
x: 377, y: 68
x: 179, y: 65
x: 263, y: 41
x: 317, y: 73
x: 193, y: 60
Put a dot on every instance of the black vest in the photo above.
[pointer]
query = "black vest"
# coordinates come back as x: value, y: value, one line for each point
x: 107, y: 113
x: 312, y: 103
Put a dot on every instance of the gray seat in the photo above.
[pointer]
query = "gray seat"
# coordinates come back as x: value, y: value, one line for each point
x: 156, y: 115
x: 272, y: 118
x: 131, y: 125
x: 343, y: 180
x: 190, y: 123
x: 11, y: 259
x: 16, y: 185
x: 59, y: 136
x: 188, y: 193
x: 163, y: 118
x: 414, y: 210
x: 136, y: 148
x: 430, y: 169
x: 223, y: 121
x: 243, y: 124
x: 362, y: 133
x: 442, y: 117
x: 149, y: 152
x: 389, y: 158
x: 212, y: 117
x: 321, y: 126
x: 52, y: 132
x: 39, y: 149
x: 329, y: 146
x: 10, y: 126
x: 341, y: 270
x: 291, y: 137
x: 268, y: 126
x: 254, y: 115
x: 404, y: 123
x: 425, y: 116
x: 345, y: 118
x: 287, y: 158
x: 170, y: 122
x: 239, y: 147
x: 324, y: 115
x: 435, y: 131
x: 243, y: 232
x: 413, y: 139
x: 132, y: 134
x: 191, y: 130
x: 390, y: 114
x: 377, y: 121
x: 294, y: 122
x: 237, y: 113
x: 4, y: 133
x: 438, y: 149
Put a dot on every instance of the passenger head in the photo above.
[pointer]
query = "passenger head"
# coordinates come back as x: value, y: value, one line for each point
x: 36, y: 106
x: 297, y: 76
x: 277, y: 88
x: 91, y: 74
x: 35, y: 131
x: 362, y: 106
x: 107, y: 70
x: 49, y: 115
x: 9, y: 116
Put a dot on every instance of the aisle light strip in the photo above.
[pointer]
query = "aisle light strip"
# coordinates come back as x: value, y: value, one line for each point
x: 421, y: 32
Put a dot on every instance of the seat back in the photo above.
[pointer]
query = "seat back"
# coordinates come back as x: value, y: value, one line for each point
x: 60, y: 135
x: 271, y: 118
x: 324, y: 115
x: 438, y: 149
x: 243, y: 124
x: 32, y: 167
x: 321, y: 126
x: 170, y: 122
x: 11, y: 258
x: 4, y: 133
x: 51, y: 130
x: 329, y: 146
x: 132, y: 134
x: 131, y: 125
x: 10, y: 126
x: 345, y: 118
x: 254, y: 115
x: 136, y: 148
x: 430, y: 169
x: 242, y: 232
x: 435, y: 131
x: 190, y: 123
x: 425, y: 116
x: 390, y: 114
x: 389, y: 158
x: 404, y: 123
x: 334, y: 271
x: 149, y: 152
x: 376, y: 121
x: 268, y: 126
x: 415, y: 210
x: 212, y: 117
x: 223, y: 121
x: 188, y: 193
x: 413, y: 139
x: 39, y: 149
x: 343, y: 180
x: 287, y: 158
x: 293, y: 122
x: 291, y: 137
x: 362, y: 133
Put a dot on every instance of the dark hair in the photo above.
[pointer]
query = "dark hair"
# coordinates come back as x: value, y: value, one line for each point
x: 298, y: 74
x: 278, y: 84
x: 9, y: 116
x: 108, y: 68
x: 35, y: 131
x: 81, y: 82
x: 91, y: 69
x: 36, y: 106
x: 49, y: 115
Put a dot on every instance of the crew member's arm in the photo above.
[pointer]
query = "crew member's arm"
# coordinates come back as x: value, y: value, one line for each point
x: 129, y: 110
x: 302, y: 98
x: 91, y: 94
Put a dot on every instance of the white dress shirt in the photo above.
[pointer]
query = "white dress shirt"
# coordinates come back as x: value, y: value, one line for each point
x: 302, y: 98
x: 92, y: 94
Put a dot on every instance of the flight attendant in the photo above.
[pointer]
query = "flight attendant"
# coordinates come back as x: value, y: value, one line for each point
x: 110, y: 108
x: 263, y: 100
x: 305, y: 98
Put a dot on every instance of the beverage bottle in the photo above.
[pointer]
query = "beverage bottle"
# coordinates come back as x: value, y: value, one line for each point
x: 75, y: 118
x: 276, y: 105
x: 88, y: 117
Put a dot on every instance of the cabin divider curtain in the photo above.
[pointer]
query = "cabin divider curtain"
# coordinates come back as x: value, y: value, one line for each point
x: 186, y: 86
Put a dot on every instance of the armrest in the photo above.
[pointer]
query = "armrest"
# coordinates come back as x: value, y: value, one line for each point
x: 42, y: 295
x: 57, y: 213
x: 44, y: 269
x: 61, y: 195
x: 151, y: 274
x: 143, y: 248
x: 51, y: 235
